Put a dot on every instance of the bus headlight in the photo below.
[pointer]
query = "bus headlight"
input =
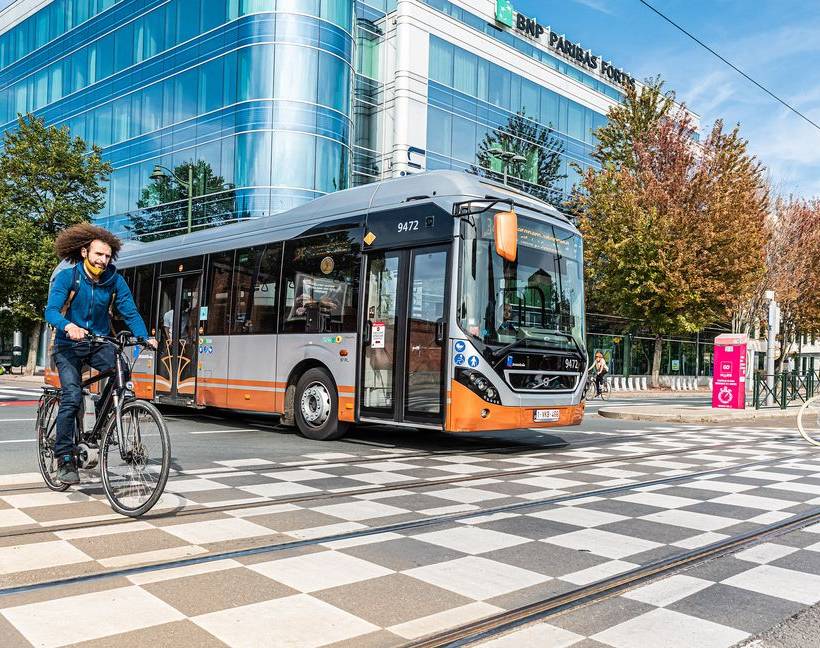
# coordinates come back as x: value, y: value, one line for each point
x: 477, y: 383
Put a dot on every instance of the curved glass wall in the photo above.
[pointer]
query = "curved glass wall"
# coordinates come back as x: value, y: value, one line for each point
x: 475, y: 106
x: 251, y: 97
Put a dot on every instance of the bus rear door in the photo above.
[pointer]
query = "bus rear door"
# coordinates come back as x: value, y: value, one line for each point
x: 177, y: 328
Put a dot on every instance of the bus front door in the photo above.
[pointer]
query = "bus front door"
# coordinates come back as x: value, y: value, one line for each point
x: 178, y: 315
x: 403, y: 340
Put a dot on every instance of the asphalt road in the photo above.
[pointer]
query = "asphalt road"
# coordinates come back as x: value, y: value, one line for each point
x: 201, y: 437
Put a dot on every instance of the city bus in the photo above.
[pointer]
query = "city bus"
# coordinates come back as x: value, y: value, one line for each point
x: 437, y: 300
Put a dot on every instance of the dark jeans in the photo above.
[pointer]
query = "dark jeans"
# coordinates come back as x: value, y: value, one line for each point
x: 599, y: 379
x: 70, y: 359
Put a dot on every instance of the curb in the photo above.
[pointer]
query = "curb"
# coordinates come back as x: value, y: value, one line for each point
x: 697, y: 417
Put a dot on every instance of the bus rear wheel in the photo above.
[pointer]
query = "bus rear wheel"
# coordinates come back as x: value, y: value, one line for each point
x: 316, y: 407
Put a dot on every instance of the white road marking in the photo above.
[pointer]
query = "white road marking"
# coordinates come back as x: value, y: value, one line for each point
x: 226, y: 431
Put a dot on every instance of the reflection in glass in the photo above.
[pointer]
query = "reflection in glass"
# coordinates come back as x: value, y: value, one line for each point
x: 536, y: 300
x: 379, y: 355
x: 426, y: 320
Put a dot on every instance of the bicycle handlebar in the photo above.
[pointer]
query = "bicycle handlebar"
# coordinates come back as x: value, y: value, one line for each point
x: 121, y: 340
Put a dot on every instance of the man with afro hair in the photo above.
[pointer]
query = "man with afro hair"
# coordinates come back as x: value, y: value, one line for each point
x: 80, y: 303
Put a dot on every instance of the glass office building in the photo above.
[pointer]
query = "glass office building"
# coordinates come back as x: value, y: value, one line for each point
x: 268, y: 104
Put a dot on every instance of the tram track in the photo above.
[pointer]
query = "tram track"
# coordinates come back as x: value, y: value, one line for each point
x: 395, y: 486
x: 427, y: 521
x: 488, y: 627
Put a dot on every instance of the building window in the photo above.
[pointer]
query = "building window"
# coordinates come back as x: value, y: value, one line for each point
x: 320, y: 284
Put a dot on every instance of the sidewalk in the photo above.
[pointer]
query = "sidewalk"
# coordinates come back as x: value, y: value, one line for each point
x: 694, y: 413
x: 16, y: 380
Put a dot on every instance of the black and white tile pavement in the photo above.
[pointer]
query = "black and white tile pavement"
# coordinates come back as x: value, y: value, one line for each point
x: 387, y: 588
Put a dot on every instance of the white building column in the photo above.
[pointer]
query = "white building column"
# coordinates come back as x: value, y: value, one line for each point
x: 411, y: 64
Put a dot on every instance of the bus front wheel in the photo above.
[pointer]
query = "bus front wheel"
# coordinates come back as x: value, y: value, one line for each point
x: 316, y: 407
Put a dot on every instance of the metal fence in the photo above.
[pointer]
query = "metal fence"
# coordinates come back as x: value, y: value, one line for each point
x: 780, y: 389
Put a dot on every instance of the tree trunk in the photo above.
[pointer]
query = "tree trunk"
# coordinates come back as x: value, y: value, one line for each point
x: 33, y: 345
x: 656, y: 362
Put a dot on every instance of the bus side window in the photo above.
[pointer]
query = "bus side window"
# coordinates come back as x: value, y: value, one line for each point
x: 320, y: 284
x: 117, y: 322
x: 255, y: 286
x: 220, y: 267
x: 143, y: 291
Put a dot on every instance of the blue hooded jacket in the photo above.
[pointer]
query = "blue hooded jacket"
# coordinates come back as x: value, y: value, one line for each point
x: 89, y: 307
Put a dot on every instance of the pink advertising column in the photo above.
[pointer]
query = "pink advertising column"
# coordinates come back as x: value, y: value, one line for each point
x: 729, y: 372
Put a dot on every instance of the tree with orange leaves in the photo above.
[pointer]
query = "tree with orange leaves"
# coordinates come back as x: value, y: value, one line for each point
x: 793, y: 259
x: 675, y: 230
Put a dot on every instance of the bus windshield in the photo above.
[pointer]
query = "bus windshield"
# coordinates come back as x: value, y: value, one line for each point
x: 535, y: 301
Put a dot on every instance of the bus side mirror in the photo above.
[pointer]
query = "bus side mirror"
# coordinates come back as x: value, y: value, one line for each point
x: 506, y: 235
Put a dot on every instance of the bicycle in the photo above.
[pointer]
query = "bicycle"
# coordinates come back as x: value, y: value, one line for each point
x: 120, y: 439
x: 808, y: 420
x: 589, y: 388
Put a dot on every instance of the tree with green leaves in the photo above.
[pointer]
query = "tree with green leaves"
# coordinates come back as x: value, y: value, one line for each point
x: 675, y: 230
x: 49, y: 180
x: 163, y: 204
x: 537, y: 171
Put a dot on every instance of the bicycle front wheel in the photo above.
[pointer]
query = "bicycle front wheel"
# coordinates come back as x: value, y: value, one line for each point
x: 135, y: 462
x: 808, y: 420
x: 46, y: 437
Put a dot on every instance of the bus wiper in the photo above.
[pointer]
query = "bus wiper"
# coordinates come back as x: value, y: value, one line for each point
x: 497, y: 353
x: 569, y: 336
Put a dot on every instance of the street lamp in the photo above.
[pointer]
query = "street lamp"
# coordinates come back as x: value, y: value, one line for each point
x: 157, y: 174
x: 507, y: 158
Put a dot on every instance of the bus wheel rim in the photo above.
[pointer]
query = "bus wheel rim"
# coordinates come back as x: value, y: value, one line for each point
x: 315, y: 404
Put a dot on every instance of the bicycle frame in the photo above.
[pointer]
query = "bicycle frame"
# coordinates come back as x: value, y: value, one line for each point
x: 111, y: 396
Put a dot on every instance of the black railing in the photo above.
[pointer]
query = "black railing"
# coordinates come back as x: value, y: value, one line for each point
x: 780, y: 389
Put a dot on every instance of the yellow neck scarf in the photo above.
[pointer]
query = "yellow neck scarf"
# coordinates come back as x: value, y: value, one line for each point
x: 93, y: 270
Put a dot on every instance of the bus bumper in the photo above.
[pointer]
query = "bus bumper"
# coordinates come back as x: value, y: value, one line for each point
x: 467, y: 412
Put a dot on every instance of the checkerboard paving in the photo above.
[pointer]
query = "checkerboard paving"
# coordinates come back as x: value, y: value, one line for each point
x: 385, y: 589
x: 169, y: 537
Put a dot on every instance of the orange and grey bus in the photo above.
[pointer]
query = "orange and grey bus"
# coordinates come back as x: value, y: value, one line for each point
x: 437, y: 300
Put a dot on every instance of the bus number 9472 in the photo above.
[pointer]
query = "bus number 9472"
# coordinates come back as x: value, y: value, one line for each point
x: 408, y: 226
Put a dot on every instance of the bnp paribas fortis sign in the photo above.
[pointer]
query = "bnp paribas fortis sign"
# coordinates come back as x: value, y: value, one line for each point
x: 505, y: 15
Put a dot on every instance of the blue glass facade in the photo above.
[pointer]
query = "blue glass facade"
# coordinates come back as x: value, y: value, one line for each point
x: 269, y: 103
x: 522, y: 45
x: 471, y: 98
x: 254, y: 94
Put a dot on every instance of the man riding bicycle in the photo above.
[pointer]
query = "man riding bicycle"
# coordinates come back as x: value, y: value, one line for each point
x: 81, y: 301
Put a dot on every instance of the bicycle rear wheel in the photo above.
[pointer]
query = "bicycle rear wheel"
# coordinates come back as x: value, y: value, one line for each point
x: 46, y: 427
x: 605, y: 389
x: 134, y: 468
x: 808, y: 420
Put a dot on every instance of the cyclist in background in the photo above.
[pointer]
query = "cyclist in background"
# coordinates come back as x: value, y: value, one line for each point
x: 601, y: 369
x: 81, y: 301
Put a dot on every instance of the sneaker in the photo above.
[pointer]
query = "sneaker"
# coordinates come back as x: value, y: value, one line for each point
x: 67, y: 471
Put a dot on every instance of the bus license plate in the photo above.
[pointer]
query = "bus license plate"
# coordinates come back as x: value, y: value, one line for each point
x: 542, y: 415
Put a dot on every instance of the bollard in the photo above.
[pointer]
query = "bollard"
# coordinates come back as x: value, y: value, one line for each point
x: 643, y: 383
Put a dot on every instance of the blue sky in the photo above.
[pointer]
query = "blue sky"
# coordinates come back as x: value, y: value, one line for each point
x: 776, y: 42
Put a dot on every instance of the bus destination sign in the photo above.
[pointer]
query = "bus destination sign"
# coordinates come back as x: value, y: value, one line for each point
x: 424, y: 223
